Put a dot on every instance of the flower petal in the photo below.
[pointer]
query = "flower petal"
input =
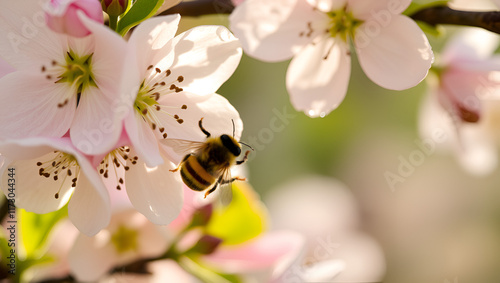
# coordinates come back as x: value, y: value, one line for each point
x: 33, y: 192
x: 155, y: 192
x: 318, y: 85
x: 397, y: 56
x: 478, y: 153
x: 89, y: 208
x: 470, y: 44
x: 150, y: 42
x: 216, y: 111
x: 29, y: 107
x: 26, y: 39
x: 5, y: 68
x: 109, y: 51
x: 327, y: 5
x: 143, y: 139
x: 380, y: 11
x: 270, y: 30
x: 91, y: 257
x: 260, y: 253
x: 96, y: 127
x: 206, y: 56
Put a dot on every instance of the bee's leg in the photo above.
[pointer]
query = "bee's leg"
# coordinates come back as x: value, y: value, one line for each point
x: 180, y: 164
x: 244, y: 158
x: 232, y: 180
x: 212, y: 189
x: 203, y: 129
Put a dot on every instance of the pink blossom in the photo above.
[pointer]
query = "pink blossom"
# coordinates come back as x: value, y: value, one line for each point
x: 61, y: 82
x: 61, y: 16
x: 5, y: 68
x: 391, y: 48
x: 462, y: 104
x: 336, y: 249
x: 171, y: 82
x: 56, y: 173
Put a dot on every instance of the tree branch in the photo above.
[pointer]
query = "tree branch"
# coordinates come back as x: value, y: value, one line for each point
x: 201, y: 7
x: 443, y: 15
x: 436, y: 15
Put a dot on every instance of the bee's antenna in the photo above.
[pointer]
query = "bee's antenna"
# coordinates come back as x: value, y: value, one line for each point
x: 247, y: 145
x: 233, y: 126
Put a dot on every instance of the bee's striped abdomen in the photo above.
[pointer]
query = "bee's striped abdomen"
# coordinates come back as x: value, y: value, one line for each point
x: 195, y: 176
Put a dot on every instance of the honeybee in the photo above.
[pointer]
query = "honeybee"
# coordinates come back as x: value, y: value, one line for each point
x: 207, y: 165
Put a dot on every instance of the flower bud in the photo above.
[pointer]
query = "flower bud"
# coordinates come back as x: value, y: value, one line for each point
x: 206, y: 245
x: 464, y: 106
x: 202, y: 216
x: 61, y: 16
x: 114, y: 8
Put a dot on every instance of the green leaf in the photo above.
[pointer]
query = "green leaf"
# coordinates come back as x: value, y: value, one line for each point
x: 416, y: 6
x: 243, y: 219
x: 432, y: 30
x: 35, y: 229
x: 140, y: 11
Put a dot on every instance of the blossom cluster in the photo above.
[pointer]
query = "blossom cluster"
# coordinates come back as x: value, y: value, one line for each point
x: 85, y: 113
x: 92, y: 92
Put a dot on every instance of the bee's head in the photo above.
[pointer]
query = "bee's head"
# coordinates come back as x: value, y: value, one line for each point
x: 231, y: 144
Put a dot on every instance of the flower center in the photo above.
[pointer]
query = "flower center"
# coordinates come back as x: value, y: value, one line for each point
x: 59, y: 166
x: 157, y: 84
x: 124, y: 239
x: 76, y: 71
x: 342, y: 24
x: 117, y: 158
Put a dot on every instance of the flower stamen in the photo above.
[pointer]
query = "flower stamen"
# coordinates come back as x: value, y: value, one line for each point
x: 60, y: 166
x: 117, y: 158
x: 157, y: 84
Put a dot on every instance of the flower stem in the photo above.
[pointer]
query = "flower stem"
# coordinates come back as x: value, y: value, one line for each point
x: 202, y: 273
x: 113, y: 22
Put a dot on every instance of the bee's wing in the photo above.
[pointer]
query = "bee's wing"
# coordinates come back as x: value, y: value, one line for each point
x: 226, y: 187
x: 183, y: 147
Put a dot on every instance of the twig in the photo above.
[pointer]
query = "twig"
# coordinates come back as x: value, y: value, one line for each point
x: 435, y: 15
x: 201, y: 7
x: 443, y: 15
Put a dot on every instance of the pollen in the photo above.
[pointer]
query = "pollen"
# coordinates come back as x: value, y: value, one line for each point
x: 156, y: 85
x: 117, y: 158
x: 75, y: 71
x: 59, y: 167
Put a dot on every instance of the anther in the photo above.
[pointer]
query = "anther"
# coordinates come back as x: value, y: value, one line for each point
x: 150, y: 67
x: 180, y: 79
x: 158, y: 70
x: 184, y: 106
